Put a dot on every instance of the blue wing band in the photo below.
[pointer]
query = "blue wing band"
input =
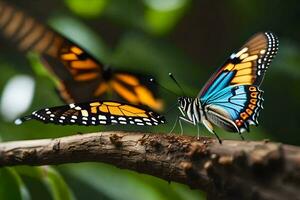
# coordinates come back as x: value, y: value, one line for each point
x: 234, y: 107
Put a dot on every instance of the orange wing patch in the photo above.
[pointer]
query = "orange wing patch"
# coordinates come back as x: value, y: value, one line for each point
x: 129, y: 79
x: 130, y: 88
x: 124, y: 92
x: 82, y: 67
x: 117, y: 109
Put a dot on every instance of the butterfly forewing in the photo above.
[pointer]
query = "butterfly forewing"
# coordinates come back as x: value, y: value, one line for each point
x: 245, y: 67
x: 81, y: 77
x: 96, y: 113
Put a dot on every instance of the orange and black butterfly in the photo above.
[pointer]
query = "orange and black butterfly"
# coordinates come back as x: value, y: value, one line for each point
x: 81, y: 76
x: 96, y: 113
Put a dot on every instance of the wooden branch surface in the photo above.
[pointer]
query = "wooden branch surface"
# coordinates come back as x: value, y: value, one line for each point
x: 233, y: 170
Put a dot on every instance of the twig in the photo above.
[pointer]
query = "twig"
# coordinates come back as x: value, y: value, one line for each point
x: 233, y: 170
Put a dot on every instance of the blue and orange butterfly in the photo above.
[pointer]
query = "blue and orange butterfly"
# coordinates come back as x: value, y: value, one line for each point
x: 231, y: 99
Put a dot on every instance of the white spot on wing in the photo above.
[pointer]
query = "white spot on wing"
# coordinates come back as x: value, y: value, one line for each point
x: 138, y: 120
x: 146, y: 119
x: 122, y: 118
x: 77, y: 108
x: 102, y: 117
x: 84, y: 113
x: 232, y: 56
x: 18, y: 121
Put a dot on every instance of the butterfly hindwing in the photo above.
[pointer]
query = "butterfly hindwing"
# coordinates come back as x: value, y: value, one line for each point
x: 81, y: 77
x: 96, y: 113
x: 234, y: 108
x: 245, y: 67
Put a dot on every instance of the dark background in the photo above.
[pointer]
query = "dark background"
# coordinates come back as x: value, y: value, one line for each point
x: 188, y: 38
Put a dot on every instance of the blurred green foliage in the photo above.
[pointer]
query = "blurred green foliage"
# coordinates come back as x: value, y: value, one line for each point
x: 188, y: 38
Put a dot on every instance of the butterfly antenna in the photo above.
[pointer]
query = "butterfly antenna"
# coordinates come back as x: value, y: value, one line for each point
x: 152, y: 80
x: 176, y: 82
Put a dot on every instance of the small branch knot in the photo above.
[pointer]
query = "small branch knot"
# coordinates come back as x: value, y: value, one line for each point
x: 115, y: 139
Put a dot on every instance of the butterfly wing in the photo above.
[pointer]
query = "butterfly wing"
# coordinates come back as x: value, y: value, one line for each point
x: 245, y: 67
x: 96, y: 113
x: 81, y: 77
x: 234, y: 108
x: 136, y: 89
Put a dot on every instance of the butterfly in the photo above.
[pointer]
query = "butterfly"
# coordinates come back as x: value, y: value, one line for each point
x: 95, y: 113
x: 81, y: 77
x: 232, y: 99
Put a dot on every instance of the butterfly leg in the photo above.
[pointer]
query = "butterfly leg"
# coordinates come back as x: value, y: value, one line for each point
x: 186, y: 120
x: 241, y: 136
x: 220, y: 141
x: 209, y: 127
x: 177, y: 119
x: 198, y: 134
x: 181, y: 129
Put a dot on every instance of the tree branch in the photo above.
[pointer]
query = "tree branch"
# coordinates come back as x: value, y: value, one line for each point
x: 233, y: 170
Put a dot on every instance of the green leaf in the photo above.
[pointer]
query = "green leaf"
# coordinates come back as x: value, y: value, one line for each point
x: 122, y: 184
x: 90, y: 9
x: 186, y: 193
x: 11, y: 185
x: 52, y: 180
x: 57, y: 185
x: 162, y: 16
x: 114, y: 183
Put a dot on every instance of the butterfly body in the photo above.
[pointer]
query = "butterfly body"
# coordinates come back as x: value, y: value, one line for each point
x: 232, y: 99
x: 190, y: 109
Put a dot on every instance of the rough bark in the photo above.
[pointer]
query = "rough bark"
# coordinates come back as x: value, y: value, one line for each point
x: 233, y: 170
